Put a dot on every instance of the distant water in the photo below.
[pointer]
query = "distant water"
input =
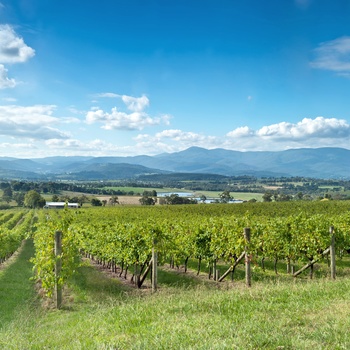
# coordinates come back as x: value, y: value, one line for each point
x: 190, y: 194
x: 180, y: 194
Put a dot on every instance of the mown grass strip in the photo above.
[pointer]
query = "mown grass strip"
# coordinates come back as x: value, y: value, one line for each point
x: 16, y: 289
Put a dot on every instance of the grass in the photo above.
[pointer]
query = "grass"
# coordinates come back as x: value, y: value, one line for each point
x: 186, y: 313
x: 16, y: 291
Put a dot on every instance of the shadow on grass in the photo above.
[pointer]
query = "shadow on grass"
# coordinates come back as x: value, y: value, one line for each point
x: 88, y: 281
x: 174, y: 278
x: 93, y: 284
x: 16, y: 288
x: 268, y: 275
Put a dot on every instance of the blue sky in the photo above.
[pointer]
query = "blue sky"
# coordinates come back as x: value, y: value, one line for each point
x: 130, y: 77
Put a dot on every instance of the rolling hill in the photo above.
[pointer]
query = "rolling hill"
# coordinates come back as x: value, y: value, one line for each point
x: 307, y: 162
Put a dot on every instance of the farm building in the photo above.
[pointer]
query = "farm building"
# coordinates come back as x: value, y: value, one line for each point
x: 60, y: 205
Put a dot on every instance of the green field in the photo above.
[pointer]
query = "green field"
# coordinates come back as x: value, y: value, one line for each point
x: 210, y: 194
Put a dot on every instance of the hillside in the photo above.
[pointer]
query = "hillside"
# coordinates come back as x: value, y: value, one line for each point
x: 306, y: 162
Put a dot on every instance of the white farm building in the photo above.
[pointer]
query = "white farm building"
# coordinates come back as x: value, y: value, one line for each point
x: 60, y: 205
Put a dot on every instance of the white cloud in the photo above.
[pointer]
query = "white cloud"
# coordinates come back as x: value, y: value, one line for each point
x: 94, y: 148
x: 74, y: 110
x: 117, y: 120
x: 38, y: 125
x: 5, y: 82
x: 64, y: 144
x: 242, y: 131
x: 120, y: 120
x: 319, y: 127
x: 318, y: 132
x: 35, y: 122
x: 136, y: 104
x: 333, y: 55
x: 179, y: 135
x: 174, y: 140
x: 107, y: 94
x: 12, y: 47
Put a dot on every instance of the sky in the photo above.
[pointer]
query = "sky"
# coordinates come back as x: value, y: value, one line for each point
x: 144, y: 77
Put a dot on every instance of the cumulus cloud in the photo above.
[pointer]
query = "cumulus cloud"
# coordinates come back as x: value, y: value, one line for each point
x: 183, y: 136
x: 308, y: 132
x: 119, y: 120
x: 12, y: 50
x: 242, y: 131
x: 134, y: 104
x: 333, y: 55
x: 318, y: 132
x: 174, y: 140
x: 6, y: 82
x: 12, y: 47
x: 319, y: 127
x: 34, y: 122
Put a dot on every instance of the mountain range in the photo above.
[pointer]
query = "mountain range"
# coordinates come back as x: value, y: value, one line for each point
x: 305, y: 162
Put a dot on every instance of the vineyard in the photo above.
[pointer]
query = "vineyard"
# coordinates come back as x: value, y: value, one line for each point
x: 100, y: 312
x: 14, y: 227
x: 123, y: 238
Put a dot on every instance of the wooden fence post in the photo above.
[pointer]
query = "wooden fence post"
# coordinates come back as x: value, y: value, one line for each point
x: 332, y: 252
x: 154, y: 266
x: 58, y: 267
x: 214, y: 268
x: 248, y: 277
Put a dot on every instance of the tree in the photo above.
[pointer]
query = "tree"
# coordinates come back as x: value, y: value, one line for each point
x: 7, y: 194
x: 82, y: 199
x: 283, y: 198
x: 19, y: 198
x: 33, y: 199
x: 203, y: 198
x: 145, y: 200
x: 55, y: 198
x: 96, y: 202
x: 267, y: 197
x: 225, y: 197
x: 113, y: 200
x: 174, y: 198
x: 148, y: 198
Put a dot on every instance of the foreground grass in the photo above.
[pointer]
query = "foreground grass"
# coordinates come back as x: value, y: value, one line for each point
x: 16, y: 291
x: 183, y: 314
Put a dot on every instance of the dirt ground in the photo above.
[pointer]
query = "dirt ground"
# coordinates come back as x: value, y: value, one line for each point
x: 123, y: 200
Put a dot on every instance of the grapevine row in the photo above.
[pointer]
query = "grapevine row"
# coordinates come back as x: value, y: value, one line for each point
x: 125, y: 236
x: 15, y: 226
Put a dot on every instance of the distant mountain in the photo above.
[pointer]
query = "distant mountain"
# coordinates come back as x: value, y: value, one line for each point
x: 108, y: 171
x: 306, y: 162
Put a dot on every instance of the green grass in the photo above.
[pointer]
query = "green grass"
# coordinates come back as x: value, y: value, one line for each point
x: 186, y: 313
x: 16, y: 291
